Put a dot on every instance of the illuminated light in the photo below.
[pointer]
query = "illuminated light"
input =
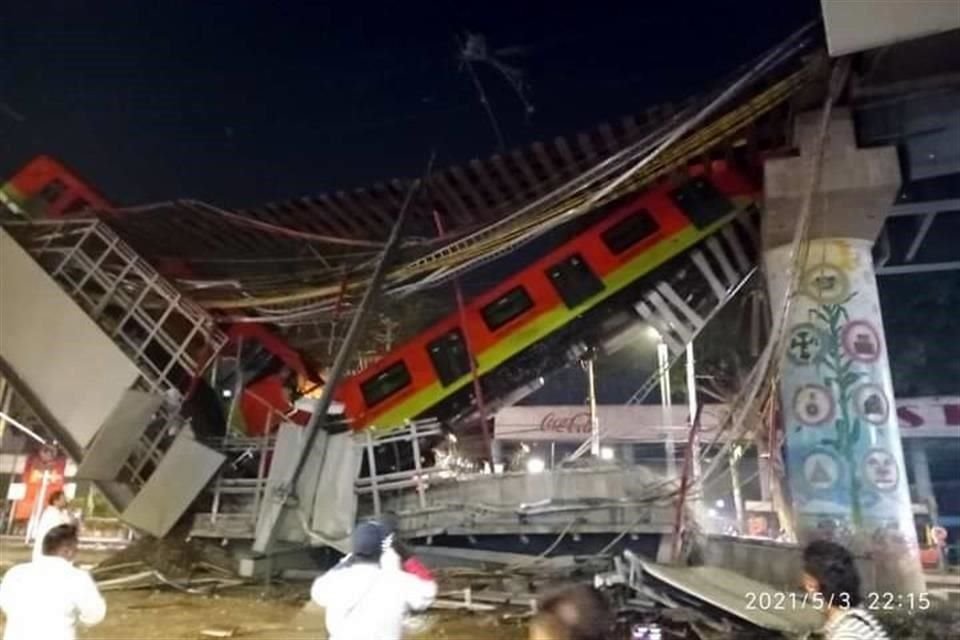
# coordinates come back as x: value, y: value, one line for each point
x: 653, y: 334
x: 452, y: 437
x: 720, y: 504
x: 227, y: 393
x: 712, y: 513
x: 536, y: 465
x: 525, y: 447
x: 607, y: 453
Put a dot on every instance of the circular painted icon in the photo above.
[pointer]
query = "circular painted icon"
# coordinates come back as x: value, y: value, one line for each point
x: 813, y: 404
x: 826, y: 283
x: 880, y: 470
x: 821, y: 470
x: 871, y: 404
x: 806, y: 344
x: 861, y: 341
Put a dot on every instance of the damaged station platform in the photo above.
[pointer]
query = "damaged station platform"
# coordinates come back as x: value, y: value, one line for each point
x: 243, y: 420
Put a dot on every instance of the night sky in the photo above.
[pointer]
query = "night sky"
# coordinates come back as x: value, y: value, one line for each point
x: 245, y: 102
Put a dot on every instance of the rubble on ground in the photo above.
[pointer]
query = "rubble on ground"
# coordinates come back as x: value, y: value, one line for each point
x: 176, y: 562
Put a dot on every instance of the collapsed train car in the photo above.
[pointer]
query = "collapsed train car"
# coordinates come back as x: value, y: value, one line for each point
x: 634, y: 262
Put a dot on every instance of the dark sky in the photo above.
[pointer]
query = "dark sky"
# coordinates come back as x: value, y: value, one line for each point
x: 243, y: 102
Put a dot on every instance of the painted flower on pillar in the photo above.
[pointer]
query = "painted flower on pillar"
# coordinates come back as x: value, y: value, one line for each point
x: 841, y: 376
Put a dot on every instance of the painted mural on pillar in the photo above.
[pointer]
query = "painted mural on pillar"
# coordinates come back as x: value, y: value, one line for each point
x: 844, y: 454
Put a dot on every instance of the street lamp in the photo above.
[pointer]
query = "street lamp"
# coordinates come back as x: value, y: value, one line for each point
x: 536, y: 465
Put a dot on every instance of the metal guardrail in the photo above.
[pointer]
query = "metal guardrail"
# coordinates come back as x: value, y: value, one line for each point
x: 417, y: 478
x: 235, y: 498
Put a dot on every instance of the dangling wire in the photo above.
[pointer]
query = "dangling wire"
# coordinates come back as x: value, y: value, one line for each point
x: 474, y: 50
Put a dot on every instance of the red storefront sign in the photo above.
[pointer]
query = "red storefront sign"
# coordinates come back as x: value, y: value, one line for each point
x: 928, y: 413
x: 33, y: 477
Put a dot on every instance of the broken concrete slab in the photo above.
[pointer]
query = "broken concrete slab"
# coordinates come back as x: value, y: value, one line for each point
x: 735, y: 595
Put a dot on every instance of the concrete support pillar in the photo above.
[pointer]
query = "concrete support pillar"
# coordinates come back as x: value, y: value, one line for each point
x: 844, y: 455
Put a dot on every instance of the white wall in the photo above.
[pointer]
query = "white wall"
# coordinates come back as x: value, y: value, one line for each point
x: 857, y: 25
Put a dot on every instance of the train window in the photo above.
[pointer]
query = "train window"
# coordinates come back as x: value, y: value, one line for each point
x: 52, y: 191
x: 507, y: 307
x: 701, y: 201
x: 449, y: 356
x: 629, y: 231
x: 385, y: 384
x: 574, y: 280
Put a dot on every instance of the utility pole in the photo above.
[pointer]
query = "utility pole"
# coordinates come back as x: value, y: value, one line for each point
x: 285, y: 494
x: 490, y: 451
x: 694, y: 439
x: 666, y: 406
x: 592, y: 398
x: 735, y: 457
x: 6, y: 393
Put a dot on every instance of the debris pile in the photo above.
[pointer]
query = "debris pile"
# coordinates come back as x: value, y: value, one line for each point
x: 701, y: 602
x: 190, y: 566
x: 653, y: 601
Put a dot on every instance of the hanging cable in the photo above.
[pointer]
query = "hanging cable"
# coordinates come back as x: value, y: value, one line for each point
x: 776, y: 346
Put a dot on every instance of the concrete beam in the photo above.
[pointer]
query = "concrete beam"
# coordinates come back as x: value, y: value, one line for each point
x: 857, y: 187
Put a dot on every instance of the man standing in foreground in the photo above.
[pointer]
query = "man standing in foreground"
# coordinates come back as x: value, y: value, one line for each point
x: 54, y: 515
x: 366, y: 601
x: 45, y: 599
x: 829, y: 571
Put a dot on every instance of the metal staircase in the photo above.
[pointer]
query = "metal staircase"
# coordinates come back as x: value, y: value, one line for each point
x: 103, y: 348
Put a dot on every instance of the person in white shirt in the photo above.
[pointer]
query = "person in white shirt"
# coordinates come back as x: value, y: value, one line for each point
x: 54, y: 515
x: 365, y: 600
x: 46, y: 598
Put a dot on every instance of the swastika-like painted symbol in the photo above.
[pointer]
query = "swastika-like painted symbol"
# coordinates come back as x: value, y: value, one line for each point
x: 805, y: 345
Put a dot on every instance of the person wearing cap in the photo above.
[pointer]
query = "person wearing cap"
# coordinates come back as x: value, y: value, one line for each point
x: 367, y: 599
x: 397, y: 553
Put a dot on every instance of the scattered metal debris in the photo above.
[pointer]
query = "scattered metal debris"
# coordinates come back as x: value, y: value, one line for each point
x: 708, y: 601
x: 189, y: 566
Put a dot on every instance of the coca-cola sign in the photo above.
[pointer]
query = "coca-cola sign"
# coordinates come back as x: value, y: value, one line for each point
x: 576, y: 423
x: 931, y: 417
